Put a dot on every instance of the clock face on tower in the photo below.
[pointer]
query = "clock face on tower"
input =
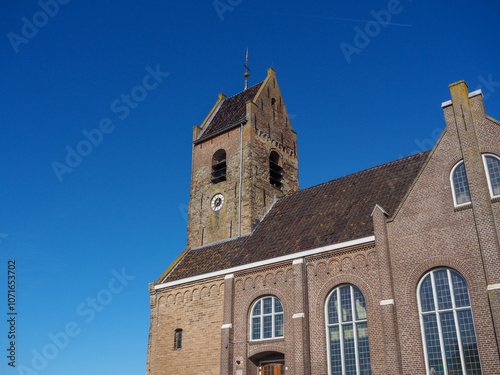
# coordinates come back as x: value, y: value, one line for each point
x: 217, y: 202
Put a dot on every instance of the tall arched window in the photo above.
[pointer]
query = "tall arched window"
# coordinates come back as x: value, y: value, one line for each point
x: 458, y: 177
x: 347, y: 334
x: 219, y: 167
x: 275, y: 170
x: 266, y: 319
x: 448, y: 332
x: 492, y: 166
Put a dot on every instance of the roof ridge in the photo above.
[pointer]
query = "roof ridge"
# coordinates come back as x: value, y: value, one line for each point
x: 383, y: 164
x: 241, y: 92
x: 355, y: 173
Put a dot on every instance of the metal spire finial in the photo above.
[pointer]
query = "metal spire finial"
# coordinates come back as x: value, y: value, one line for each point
x: 247, y: 73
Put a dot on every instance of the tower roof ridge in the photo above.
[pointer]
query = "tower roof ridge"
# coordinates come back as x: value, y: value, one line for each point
x: 243, y: 91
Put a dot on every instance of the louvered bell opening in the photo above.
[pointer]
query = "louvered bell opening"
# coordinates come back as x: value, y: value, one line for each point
x: 219, y: 172
x: 275, y: 174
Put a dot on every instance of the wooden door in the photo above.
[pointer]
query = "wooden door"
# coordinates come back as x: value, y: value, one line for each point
x: 273, y: 369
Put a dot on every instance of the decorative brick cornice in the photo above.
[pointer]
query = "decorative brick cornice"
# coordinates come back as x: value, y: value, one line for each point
x: 341, y: 252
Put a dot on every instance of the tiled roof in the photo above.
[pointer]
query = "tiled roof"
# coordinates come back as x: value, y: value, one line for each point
x: 329, y: 213
x: 232, y: 111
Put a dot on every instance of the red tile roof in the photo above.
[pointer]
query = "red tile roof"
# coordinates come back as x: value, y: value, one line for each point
x: 332, y: 212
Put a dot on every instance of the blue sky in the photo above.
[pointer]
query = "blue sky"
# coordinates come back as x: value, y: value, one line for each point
x: 88, y: 239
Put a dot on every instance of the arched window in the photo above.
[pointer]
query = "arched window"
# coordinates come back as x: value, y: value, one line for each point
x: 266, y: 319
x: 458, y: 177
x: 448, y: 333
x: 275, y: 170
x: 219, y: 166
x: 492, y: 166
x: 178, y: 339
x: 348, y: 351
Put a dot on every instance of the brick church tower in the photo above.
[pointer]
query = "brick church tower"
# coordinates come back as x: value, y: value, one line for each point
x: 244, y: 156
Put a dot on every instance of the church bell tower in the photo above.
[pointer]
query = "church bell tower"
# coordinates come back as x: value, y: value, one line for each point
x: 244, y: 157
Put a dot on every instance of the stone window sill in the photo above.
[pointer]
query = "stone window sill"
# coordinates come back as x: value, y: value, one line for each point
x: 463, y: 207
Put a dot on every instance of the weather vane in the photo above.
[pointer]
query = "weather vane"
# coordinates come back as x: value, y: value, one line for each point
x: 247, y: 73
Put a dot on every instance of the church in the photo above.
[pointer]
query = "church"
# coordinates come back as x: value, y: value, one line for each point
x: 391, y: 270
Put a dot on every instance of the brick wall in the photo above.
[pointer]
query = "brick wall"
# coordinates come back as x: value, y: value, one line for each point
x: 249, y: 286
x: 197, y: 309
x: 356, y: 266
x: 430, y: 232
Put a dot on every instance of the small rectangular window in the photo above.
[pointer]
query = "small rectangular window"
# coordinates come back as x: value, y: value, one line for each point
x: 178, y: 339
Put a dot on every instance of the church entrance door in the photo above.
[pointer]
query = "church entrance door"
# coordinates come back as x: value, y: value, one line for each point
x: 273, y: 369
